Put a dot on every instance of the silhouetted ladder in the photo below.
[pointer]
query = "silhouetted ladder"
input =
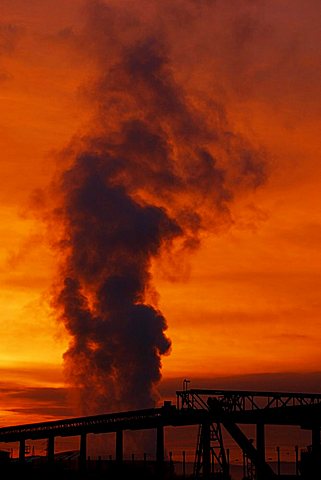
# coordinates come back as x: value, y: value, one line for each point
x: 217, y: 452
x: 213, y: 456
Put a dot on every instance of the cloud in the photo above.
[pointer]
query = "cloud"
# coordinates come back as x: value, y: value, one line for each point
x: 10, y: 35
x: 23, y: 404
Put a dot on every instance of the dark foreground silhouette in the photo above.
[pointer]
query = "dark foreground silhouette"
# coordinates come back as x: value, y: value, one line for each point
x: 112, y: 472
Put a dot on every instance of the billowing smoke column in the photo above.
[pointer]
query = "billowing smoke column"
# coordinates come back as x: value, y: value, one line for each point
x: 118, y: 340
x: 150, y: 175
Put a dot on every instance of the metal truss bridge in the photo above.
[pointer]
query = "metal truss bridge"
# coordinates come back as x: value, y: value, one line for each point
x: 217, y: 412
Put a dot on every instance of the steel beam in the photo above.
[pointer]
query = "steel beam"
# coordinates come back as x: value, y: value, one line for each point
x: 160, y: 446
x: 260, y: 446
x: 119, y: 446
x: 240, y: 438
x: 245, y: 400
x: 83, y: 452
x: 316, y: 440
x: 316, y: 452
x: 22, y: 450
x: 51, y: 449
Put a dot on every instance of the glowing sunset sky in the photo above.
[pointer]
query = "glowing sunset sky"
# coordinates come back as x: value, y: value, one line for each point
x: 248, y: 299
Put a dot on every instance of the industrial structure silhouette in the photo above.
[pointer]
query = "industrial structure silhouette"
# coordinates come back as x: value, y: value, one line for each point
x: 214, y: 411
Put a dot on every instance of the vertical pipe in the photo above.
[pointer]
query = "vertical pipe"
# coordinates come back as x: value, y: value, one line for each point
x: 51, y: 449
x: 119, y: 446
x: 279, y: 460
x: 160, y: 453
x: 22, y: 450
x: 171, y: 464
x: 184, y: 464
x: 315, y: 440
x: 160, y: 448
x: 260, y: 440
x: 206, y: 440
x: 316, y: 451
x: 83, y: 452
x: 296, y: 460
x: 244, y: 465
x: 227, y: 472
x: 260, y: 446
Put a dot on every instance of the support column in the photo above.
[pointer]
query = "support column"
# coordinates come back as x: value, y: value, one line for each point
x: 184, y: 464
x: 51, y: 449
x: 22, y: 450
x: 316, y: 452
x: 171, y: 465
x: 206, y: 441
x: 160, y: 452
x: 316, y: 440
x: 278, y: 452
x: 83, y: 452
x: 260, y: 446
x: 297, y: 460
x: 260, y: 440
x: 119, y: 446
x: 160, y: 449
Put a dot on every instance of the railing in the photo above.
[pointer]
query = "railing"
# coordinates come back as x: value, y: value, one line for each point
x: 244, y: 400
x: 88, y: 424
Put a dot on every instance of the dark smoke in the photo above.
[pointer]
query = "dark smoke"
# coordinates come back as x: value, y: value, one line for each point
x: 118, y: 340
x: 151, y: 174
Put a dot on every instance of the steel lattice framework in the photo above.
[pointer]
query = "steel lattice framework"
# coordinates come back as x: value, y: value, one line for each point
x: 244, y: 400
x: 229, y: 407
x: 211, y: 410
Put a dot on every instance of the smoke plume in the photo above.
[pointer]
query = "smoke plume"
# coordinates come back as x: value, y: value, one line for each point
x: 156, y: 168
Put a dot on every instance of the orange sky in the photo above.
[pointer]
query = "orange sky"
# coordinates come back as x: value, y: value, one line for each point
x: 248, y: 300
